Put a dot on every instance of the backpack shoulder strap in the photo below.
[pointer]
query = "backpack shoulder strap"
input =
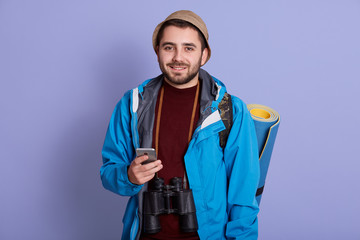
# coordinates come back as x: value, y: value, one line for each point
x: 226, y: 114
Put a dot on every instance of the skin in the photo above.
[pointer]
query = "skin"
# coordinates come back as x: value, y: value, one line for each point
x: 180, y: 57
x: 140, y: 174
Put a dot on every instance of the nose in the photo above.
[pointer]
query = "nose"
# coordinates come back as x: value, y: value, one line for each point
x: 178, y: 55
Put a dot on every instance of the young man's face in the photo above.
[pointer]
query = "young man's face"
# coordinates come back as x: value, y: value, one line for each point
x: 180, y: 56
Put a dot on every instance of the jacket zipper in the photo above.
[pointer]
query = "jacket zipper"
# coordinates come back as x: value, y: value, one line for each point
x: 134, y: 226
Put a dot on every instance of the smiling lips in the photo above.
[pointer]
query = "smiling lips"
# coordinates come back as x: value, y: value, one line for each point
x: 177, y: 67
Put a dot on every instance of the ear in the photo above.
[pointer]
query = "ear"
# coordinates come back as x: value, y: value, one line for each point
x: 157, y: 52
x: 204, y: 56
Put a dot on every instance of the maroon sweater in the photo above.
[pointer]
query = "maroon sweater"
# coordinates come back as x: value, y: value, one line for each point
x: 174, y: 128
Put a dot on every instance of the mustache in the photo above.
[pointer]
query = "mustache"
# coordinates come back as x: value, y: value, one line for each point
x: 177, y: 65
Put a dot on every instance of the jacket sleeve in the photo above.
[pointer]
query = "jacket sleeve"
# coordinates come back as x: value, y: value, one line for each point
x: 242, y: 167
x: 118, y: 151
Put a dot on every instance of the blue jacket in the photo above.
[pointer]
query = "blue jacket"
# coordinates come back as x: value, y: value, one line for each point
x: 223, y: 181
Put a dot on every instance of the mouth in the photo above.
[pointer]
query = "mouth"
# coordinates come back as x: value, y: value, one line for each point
x: 177, y: 67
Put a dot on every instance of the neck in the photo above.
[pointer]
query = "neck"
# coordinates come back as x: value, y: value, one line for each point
x: 189, y: 84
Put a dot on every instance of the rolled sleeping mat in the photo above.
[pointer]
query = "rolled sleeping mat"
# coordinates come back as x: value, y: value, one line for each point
x: 267, y: 122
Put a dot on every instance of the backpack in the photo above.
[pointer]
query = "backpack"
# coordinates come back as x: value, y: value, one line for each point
x: 226, y: 114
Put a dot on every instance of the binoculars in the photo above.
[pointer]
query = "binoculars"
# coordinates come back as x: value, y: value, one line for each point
x: 169, y: 199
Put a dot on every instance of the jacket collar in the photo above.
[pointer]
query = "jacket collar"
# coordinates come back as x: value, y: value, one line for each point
x: 212, y: 91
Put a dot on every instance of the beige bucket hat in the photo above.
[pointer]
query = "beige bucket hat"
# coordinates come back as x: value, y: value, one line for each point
x: 187, y: 16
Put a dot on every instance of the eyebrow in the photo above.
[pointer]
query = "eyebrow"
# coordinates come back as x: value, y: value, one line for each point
x: 189, y: 44
x: 173, y: 44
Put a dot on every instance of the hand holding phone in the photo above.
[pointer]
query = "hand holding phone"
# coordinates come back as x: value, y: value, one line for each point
x: 150, y: 152
x: 142, y: 169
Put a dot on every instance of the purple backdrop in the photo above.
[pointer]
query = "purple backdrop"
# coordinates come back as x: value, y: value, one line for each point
x: 65, y: 64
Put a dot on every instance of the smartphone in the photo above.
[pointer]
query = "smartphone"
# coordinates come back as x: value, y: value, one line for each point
x: 150, y: 152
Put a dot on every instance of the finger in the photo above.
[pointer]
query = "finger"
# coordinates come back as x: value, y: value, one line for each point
x: 151, y: 165
x: 142, y: 178
x: 148, y: 178
x: 152, y: 171
x: 140, y: 159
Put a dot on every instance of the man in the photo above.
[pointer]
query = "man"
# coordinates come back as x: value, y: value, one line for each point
x: 178, y: 114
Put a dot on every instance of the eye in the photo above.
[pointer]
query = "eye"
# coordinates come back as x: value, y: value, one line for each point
x: 189, y: 49
x: 168, y: 48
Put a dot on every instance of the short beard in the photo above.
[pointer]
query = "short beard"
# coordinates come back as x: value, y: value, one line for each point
x: 181, y: 81
x: 184, y: 80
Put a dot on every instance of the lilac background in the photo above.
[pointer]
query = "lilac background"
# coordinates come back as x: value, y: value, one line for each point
x: 65, y: 64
